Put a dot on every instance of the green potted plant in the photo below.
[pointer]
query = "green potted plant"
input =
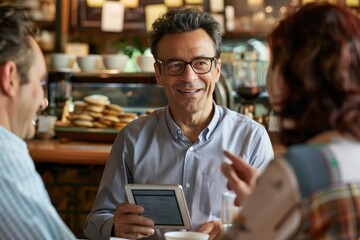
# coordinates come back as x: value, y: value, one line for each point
x: 132, y: 46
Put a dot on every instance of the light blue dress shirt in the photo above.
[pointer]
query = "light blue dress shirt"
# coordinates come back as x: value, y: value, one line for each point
x: 154, y: 150
x: 26, y: 211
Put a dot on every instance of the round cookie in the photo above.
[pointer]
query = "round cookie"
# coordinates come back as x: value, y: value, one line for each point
x: 96, y: 115
x: 97, y: 99
x: 110, y: 112
x: 126, y: 119
x: 106, y: 122
x: 114, y: 107
x: 110, y: 118
x: 80, y: 104
x: 81, y: 116
x: 83, y: 123
x: 95, y: 108
x: 99, y: 125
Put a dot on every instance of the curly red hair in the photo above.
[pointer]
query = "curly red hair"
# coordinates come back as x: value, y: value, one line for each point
x: 317, y: 51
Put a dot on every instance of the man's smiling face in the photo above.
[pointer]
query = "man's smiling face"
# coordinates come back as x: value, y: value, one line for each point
x: 190, y: 92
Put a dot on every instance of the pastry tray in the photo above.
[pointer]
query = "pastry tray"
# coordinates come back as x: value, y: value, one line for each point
x: 86, y: 134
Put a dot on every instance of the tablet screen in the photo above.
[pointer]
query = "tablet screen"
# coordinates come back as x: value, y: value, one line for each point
x: 160, y: 205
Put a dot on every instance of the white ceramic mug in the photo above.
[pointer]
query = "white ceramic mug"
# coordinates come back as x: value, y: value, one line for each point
x: 145, y: 63
x: 88, y: 62
x: 61, y: 61
x: 115, y: 61
x: 186, y: 236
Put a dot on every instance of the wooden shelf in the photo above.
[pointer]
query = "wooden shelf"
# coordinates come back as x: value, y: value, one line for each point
x: 45, y: 25
x: 236, y: 35
x: 108, y: 77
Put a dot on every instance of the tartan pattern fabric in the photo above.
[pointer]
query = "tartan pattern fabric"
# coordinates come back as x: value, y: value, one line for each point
x: 331, y: 202
x: 332, y: 213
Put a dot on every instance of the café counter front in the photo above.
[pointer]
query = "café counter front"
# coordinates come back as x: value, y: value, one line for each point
x: 72, y: 171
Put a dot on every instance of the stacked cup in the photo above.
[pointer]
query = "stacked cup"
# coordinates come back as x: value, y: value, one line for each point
x: 89, y: 62
x: 62, y: 61
x: 115, y: 61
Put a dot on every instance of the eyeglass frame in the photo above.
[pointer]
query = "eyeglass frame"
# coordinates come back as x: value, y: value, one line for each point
x: 212, y: 59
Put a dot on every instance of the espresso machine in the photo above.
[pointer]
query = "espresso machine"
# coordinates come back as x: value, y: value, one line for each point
x: 249, y: 80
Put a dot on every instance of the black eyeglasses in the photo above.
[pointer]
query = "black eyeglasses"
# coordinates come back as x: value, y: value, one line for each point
x: 175, y: 67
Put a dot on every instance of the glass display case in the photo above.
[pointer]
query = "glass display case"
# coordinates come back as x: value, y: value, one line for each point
x: 135, y: 92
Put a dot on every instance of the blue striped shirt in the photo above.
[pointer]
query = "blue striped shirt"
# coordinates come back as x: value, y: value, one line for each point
x: 26, y: 211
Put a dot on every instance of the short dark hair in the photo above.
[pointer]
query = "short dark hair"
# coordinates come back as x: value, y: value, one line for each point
x: 317, y: 50
x: 14, y: 40
x: 185, y: 20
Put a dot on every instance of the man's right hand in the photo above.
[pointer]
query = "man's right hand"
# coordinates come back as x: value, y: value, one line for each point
x: 128, y: 223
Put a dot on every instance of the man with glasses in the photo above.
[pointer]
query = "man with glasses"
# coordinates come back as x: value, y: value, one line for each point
x: 181, y: 143
x: 175, y: 67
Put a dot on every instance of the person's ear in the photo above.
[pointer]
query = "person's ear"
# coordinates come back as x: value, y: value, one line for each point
x: 218, y: 68
x: 157, y: 67
x: 8, y: 78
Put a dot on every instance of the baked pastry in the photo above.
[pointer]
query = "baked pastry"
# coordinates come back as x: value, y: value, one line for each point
x: 99, y: 125
x: 110, y: 112
x: 83, y: 123
x: 111, y: 118
x: 114, y: 107
x: 96, y: 115
x: 97, y: 99
x: 95, y: 108
x: 96, y: 111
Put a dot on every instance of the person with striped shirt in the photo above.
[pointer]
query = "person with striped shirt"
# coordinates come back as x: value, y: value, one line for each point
x: 26, y: 211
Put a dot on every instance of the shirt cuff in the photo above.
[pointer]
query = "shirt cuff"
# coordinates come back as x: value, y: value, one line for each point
x: 106, y: 231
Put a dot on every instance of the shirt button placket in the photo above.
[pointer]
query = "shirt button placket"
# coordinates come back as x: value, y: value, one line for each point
x: 188, y: 172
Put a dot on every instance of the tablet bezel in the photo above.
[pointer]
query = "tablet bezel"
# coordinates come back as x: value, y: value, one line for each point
x: 181, y: 202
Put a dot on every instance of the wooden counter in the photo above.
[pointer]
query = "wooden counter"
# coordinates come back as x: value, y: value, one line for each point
x: 53, y: 151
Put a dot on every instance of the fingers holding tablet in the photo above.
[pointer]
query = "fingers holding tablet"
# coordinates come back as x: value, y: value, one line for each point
x: 130, y: 224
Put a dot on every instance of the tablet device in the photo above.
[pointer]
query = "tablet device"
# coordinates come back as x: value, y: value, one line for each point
x: 164, y: 204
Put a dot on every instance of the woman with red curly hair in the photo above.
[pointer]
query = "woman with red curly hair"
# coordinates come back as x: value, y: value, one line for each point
x: 314, y: 88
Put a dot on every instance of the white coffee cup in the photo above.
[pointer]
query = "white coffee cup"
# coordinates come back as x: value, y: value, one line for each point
x: 88, y: 62
x: 61, y: 61
x: 115, y: 61
x: 186, y: 236
x: 145, y: 63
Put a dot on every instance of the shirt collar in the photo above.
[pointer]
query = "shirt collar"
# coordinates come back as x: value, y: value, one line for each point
x: 177, y: 132
x: 10, y: 136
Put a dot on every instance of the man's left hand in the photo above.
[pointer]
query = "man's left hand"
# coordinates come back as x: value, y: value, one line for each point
x: 213, y: 228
